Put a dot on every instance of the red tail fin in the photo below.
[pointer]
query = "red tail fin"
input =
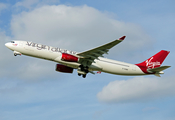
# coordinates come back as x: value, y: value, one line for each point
x: 154, y: 61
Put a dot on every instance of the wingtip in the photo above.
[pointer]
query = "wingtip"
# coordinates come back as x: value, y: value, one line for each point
x: 122, y: 38
x: 166, y: 51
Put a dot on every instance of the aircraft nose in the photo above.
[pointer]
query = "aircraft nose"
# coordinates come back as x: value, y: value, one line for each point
x: 7, y: 45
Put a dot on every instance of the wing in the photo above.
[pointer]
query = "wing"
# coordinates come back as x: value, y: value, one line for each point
x: 88, y: 57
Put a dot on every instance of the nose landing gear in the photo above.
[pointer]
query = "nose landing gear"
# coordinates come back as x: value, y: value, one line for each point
x: 16, y: 53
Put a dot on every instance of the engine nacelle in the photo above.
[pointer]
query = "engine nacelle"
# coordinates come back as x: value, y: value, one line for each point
x: 69, y: 58
x: 63, y: 68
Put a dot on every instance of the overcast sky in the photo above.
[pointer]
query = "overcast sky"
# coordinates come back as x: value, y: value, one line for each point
x: 30, y: 88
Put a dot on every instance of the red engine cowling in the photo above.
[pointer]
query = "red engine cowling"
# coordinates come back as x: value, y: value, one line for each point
x: 69, y: 58
x: 63, y: 68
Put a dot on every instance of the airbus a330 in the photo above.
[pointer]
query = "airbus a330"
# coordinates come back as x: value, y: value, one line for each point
x: 90, y: 60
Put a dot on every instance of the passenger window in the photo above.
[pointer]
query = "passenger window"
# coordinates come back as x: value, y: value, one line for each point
x: 12, y: 42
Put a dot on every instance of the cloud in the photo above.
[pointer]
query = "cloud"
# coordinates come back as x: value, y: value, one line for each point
x: 3, y: 7
x: 32, y: 4
x: 137, y: 89
x: 4, y: 55
x: 75, y: 28
x: 35, y: 70
x: 26, y: 3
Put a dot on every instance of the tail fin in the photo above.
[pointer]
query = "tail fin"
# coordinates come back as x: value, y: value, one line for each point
x: 154, y: 61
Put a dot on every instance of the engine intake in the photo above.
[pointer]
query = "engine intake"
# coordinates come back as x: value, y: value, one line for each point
x: 63, y: 68
x: 69, y: 58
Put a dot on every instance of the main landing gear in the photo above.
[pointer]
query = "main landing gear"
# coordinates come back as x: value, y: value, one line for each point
x: 82, y: 71
x: 83, y: 75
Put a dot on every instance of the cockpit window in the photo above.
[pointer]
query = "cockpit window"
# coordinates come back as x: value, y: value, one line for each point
x: 12, y: 41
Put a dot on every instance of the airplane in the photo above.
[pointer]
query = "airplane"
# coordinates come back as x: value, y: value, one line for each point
x: 90, y: 60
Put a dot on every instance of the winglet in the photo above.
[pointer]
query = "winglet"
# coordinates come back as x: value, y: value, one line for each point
x: 122, y: 38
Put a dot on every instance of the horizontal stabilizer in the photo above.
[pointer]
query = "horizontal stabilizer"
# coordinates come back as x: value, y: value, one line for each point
x: 158, y: 75
x: 158, y: 69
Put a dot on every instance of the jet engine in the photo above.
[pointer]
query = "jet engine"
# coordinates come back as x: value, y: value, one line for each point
x: 69, y: 58
x: 63, y: 68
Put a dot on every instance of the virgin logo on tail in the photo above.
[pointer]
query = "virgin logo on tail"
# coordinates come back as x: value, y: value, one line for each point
x: 154, y: 61
x: 150, y: 64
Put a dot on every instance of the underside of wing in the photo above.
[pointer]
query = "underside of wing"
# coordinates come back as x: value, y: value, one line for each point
x: 88, y: 57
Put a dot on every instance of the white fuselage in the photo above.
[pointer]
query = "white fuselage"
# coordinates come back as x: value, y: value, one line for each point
x: 54, y: 54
